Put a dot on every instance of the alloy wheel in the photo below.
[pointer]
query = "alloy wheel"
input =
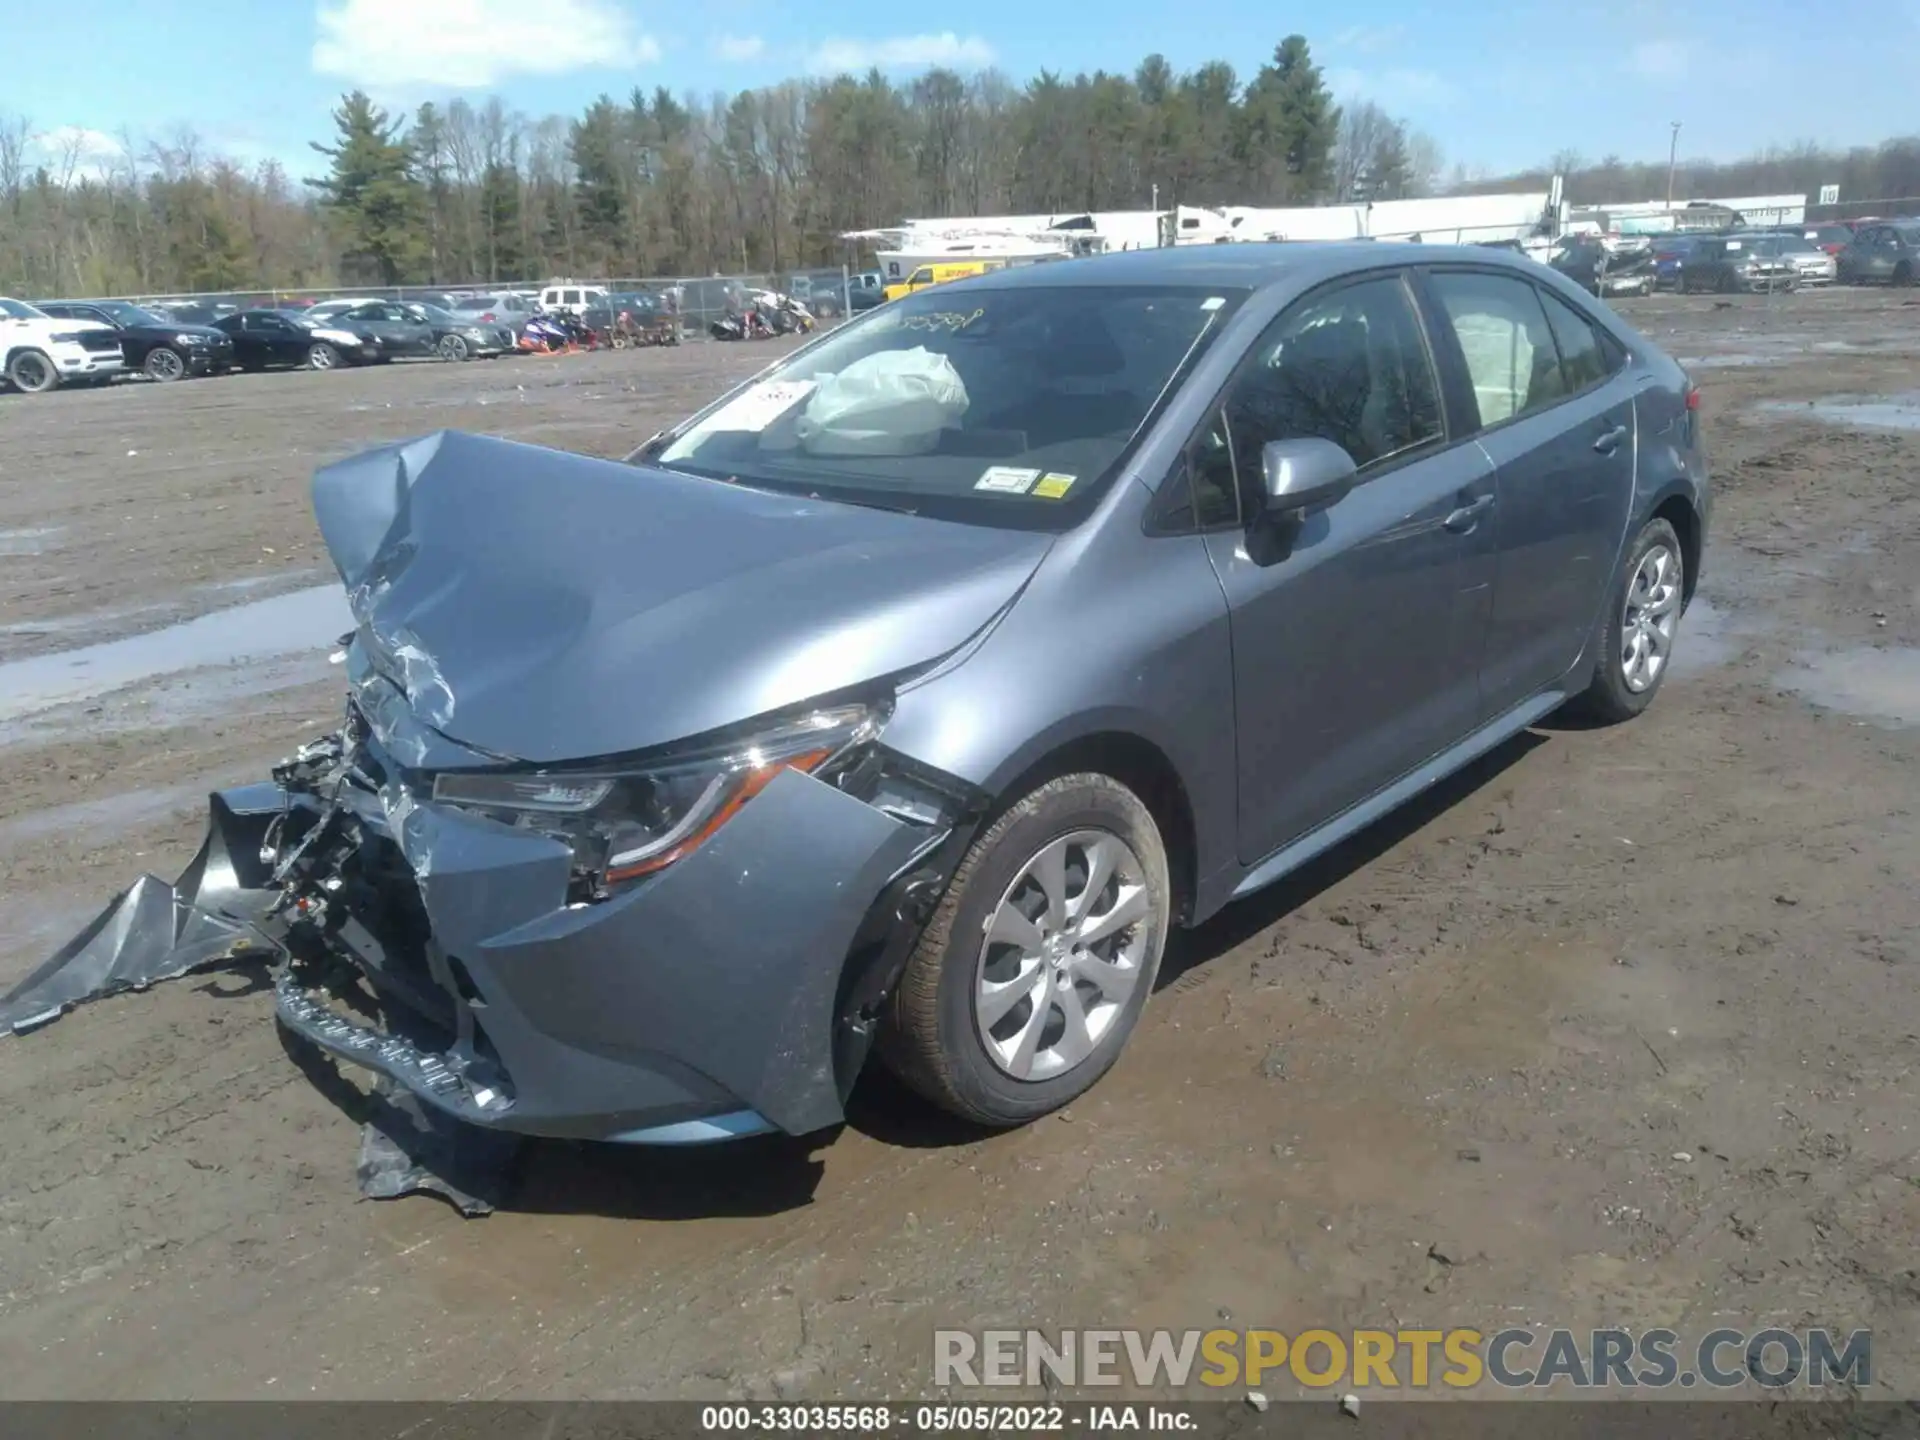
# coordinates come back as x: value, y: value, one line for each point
x: 1651, y: 612
x: 164, y: 364
x: 1061, y: 955
x: 321, y: 357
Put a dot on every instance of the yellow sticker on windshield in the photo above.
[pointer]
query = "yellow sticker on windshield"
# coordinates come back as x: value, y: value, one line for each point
x: 1053, y: 485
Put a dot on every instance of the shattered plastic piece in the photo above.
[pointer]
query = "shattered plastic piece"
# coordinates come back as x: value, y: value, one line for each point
x: 408, y: 1148
x: 155, y: 931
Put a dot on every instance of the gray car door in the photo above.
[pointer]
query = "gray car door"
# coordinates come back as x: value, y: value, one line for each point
x: 1556, y: 415
x: 1355, y: 644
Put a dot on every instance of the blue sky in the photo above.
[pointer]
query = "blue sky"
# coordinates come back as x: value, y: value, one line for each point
x: 1498, y: 86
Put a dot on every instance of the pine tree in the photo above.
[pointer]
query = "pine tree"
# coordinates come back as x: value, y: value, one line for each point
x: 599, y: 148
x: 1288, y: 125
x: 372, y: 198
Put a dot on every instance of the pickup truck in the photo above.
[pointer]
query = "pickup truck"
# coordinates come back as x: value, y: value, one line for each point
x: 38, y: 352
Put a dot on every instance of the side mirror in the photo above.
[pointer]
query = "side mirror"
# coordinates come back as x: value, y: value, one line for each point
x: 1305, y: 474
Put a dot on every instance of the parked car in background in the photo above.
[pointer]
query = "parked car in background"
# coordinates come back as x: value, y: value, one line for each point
x: 823, y: 292
x: 191, y: 312
x: 1811, y: 264
x: 500, y: 309
x: 1730, y: 264
x: 1887, y: 253
x: 400, y: 329
x: 462, y: 337
x: 159, y: 348
x: 1831, y: 237
x: 868, y: 290
x: 1669, y: 255
x: 571, y: 298
x: 1606, y: 265
x: 642, y: 307
x: 39, y: 352
x: 263, y: 339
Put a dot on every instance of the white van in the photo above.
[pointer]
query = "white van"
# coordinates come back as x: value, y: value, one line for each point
x: 571, y: 298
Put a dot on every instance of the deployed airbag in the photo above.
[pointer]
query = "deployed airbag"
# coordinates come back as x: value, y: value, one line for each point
x: 893, y: 403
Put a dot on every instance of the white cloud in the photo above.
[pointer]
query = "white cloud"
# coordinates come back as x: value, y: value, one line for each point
x: 1369, y: 39
x: 902, y: 52
x: 1393, y: 90
x: 83, y: 143
x: 471, y: 44
x: 738, y: 48
x: 1659, y: 59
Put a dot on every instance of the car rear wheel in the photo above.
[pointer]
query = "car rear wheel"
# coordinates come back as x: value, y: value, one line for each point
x: 454, y: 347
x: 1636, y: 649
x: 31, y: 371
x: 322, y: 356
x: 164, y: 363
x: 1035, y: 967
x: 1903, y: 273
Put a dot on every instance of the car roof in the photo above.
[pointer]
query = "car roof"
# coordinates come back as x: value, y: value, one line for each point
x: 1244, y: 265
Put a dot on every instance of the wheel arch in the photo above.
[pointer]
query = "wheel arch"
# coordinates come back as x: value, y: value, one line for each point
x: 1137, y: 762
x: 1676, y: 507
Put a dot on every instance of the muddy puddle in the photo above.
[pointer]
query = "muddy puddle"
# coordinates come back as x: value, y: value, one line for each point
x: 31, y: 542
x: 264, y: 633
x: 1870, y: 412
x: 1881, y: 685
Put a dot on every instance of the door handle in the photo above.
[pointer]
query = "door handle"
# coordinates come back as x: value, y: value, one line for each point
x: 1610, y: 441
x: 1468, y: 516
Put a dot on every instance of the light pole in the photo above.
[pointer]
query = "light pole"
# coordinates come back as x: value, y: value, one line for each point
x: 1673, y: 153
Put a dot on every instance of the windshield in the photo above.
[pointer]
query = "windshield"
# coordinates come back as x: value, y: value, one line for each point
x: 434, y: 313
x: 125, y: 313
x: 20, y: 310
x: 986, y: 405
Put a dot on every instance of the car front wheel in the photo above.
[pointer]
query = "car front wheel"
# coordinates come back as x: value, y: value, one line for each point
x: 1036, y: 965
x: 32, y: 372
x: 1643, y: 616
x: 322, y: 356
x: 164, y: 363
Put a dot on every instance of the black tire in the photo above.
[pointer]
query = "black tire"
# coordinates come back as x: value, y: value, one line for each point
x: 164, y: 364
x: 455, y: 347
x: 1903, y: 273
x: 1609, y: 698
x: 1728, y: 285
x: 930, y: 1040
x: 322, y: 356
x: 33, y: 372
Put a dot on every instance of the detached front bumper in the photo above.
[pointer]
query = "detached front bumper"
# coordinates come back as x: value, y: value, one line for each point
x: 730, y: 994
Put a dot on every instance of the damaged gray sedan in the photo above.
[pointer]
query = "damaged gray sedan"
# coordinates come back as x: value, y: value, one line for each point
x: 906, y: 696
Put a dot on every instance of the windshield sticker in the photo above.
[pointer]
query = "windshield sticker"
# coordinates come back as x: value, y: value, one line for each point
x: 1007, y: 479
x: 948, y: 320
x: 1053, y: 485
x: 760, y: 406
x: 1213, y: 302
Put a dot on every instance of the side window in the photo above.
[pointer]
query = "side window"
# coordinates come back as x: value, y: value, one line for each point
x: 1350, y: 366
x: 1503, y: 334
x: 922, y: 276
x: 1582, y: 359
x: 570, y: 297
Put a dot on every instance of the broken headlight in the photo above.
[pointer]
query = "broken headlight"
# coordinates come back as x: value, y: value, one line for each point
x: 626, y: 823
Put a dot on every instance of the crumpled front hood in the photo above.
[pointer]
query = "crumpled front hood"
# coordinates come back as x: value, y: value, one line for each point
x: 546, y: 606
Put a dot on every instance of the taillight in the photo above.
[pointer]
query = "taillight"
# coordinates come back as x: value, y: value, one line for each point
x: 1693, y: 397
x: 486, y: 317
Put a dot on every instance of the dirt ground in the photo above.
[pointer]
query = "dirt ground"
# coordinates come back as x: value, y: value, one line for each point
x: 1623, y: 1022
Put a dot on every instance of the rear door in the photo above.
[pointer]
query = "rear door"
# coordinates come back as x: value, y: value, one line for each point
x: 1555, y: 406
x: 1356, y: 645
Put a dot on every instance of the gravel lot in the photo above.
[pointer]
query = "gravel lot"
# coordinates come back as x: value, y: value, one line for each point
x: 1495, y: 1023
